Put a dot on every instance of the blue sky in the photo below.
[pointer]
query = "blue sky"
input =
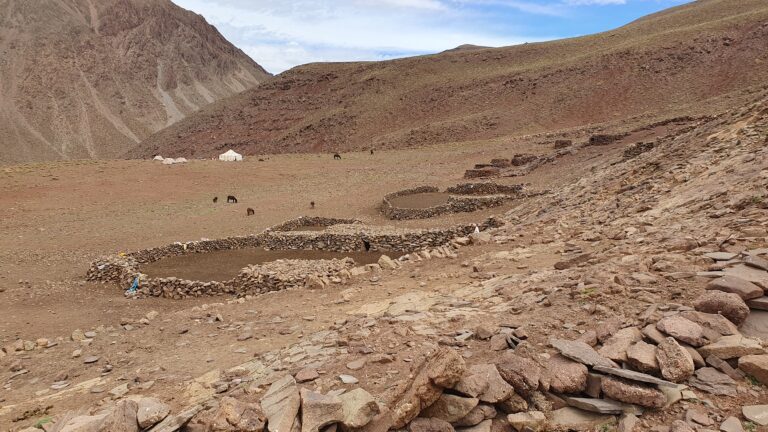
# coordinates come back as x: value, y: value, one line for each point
x: 280, y: 34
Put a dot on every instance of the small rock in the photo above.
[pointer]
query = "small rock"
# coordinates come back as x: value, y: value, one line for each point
x: 348, y: 379
x: 306, y: 375
x: 450, y: 408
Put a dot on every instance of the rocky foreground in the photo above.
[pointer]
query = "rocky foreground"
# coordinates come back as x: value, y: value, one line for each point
x: 642, y: 307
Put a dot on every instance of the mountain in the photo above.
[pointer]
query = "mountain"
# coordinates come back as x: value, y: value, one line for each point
x: 92, y: 78
x: 689, y: 60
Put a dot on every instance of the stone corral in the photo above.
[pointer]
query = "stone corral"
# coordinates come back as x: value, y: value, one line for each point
x: 466, y: 197
x: 125, y: 269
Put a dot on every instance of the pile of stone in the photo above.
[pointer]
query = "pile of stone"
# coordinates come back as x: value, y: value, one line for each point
x: 287, y: 274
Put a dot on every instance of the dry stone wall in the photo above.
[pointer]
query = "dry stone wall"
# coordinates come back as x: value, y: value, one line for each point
x: 125, y: 269
x: 466, y: 197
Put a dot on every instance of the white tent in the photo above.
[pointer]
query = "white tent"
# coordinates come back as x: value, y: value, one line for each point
x: 168, y: 161
x: 180, y: 160
x: 230, y: 156
x: 158, y: 158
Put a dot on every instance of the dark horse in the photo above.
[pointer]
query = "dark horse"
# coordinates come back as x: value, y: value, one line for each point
x: 231, y: 199
x: 215, y: 200
x: 371, y: 151
x: 250, y: 212
x: 312, y: 204
x: 337, y: 156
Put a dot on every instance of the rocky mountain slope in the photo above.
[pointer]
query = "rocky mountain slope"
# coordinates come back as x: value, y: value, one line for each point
x: 630, y: 298
x: 90, y: 79
x: 693, y: 59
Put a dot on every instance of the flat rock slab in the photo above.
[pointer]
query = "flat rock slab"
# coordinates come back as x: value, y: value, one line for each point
x: 713, y: 381
x: 729, y: 347
x: 756, y: 276
x: 720, y: 256
x: 581, y: 352
x: 756, y: 413
x: 281, y: 404
x: 760, y: 303
x: 635, y: 376
x: 574, y: 419
x: 732, y: 283
x: 602, y: 406
x: 755, y: 365
x: 756, y: 325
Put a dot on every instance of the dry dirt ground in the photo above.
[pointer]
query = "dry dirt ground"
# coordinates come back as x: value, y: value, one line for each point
x: 56, y: 218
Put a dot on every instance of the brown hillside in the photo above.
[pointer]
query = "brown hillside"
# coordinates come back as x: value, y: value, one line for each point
x: 91, y: 78
x: 687, y: 60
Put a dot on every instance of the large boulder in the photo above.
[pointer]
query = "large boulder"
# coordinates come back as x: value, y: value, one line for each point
x: 437, y: 371
x: 281, y: 404
x: 755, y: 365
x: 735, y: 346
x: 566, y: 376
x: 478, y: 414
x: 358, y: 407
x: 729, y: 305
x: 122, y: 418
x: 484, y: 382
x: 422, y: 424
x: 151, y: 411
x: 450, y: 408
x: 522, y: 373
x: 674, y: 361
x: 615, y: 347
x: 318, y: 410
x: 682, y: 329
x: 641, y: 356
x: 235, y: 416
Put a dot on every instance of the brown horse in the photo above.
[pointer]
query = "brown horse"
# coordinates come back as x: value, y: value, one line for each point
x: 250, y: 211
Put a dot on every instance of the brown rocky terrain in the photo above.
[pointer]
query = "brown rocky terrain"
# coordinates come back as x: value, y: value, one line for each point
x: 691, y: 60
x: 90, y: 79
x: 630, y: 296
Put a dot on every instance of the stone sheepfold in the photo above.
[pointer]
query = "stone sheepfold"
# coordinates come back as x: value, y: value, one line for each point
x: 464, y: 198
x: 125, y: 269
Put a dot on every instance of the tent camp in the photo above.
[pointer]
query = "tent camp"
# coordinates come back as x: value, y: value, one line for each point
x: 158, y: 158
x: 230, y: 156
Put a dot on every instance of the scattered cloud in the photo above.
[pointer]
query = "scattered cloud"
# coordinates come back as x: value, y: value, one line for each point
x: 280, y: 34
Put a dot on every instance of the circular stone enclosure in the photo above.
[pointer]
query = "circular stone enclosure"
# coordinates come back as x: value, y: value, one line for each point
x: 428, y: 201
x: 289, y: 258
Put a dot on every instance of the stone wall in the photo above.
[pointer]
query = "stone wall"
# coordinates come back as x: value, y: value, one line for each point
x: 277, y: 275
x: 468, y: 197
x: 308, y: 221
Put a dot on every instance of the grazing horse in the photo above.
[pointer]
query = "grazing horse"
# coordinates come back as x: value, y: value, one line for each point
x: 231, y: 199
x: 250, y: 212
x: 215, y: 200
x: 336, y: 156
x: 311, y: 204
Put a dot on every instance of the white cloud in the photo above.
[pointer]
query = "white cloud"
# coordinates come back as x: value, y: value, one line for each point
x: 281, y: 34
x: 594, y: 2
